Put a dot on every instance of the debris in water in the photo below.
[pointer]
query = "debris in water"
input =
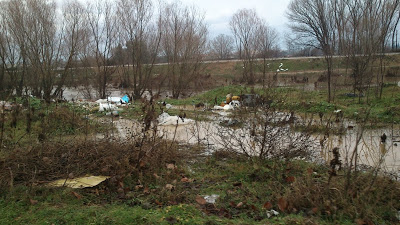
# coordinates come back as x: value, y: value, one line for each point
x: 165, y: 119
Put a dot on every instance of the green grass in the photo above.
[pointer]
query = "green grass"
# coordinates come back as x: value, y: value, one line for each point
x: 209, y: 96
x: 382, y: 111
x: 44, y: 213
x: 235, y: 180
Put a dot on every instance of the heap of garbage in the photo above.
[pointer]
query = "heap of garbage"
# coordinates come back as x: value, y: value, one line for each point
x: 112, y: 103
x: 232, y: 102
x: 165, y: 119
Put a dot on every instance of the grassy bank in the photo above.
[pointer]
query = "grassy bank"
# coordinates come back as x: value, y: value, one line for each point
x: 247, y: 192
x: 381, y: 111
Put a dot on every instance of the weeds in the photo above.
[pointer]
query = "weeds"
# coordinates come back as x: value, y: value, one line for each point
x: 256, y: 169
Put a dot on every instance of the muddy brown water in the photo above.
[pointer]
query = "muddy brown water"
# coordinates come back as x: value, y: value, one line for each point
x: 370, y: 150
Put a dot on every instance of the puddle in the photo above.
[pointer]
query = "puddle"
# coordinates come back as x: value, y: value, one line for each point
x: 214, y: 136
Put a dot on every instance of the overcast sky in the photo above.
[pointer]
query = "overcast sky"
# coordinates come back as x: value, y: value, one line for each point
x: 218, y: 12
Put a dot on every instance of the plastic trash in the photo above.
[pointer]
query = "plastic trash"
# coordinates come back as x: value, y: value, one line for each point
x: 125, y: 99
x: 165, y: 119
x: 272, y: 213
x: 107, y: 107
x: 115, y: 113
x: 217, y: 107
x: 211, y: 198
x: 114, y: 99
x: 101, y: 101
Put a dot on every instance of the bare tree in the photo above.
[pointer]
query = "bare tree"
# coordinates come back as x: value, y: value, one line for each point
x: 313, y: 21
x: 245, y: 24
x: 267, y: 42
x: 183, y: 45
x: 2, y: 52
x: 74, y: 36
x: 136, y: 31
x: 364, y: 28
x: 222, y: 46
x: 14, y: 55
x: 101, y: 18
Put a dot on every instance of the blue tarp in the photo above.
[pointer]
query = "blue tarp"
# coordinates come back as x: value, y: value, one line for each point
x: 125, y: 99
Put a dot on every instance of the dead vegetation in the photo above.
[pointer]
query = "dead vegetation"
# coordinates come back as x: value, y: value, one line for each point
x: 151, y: 172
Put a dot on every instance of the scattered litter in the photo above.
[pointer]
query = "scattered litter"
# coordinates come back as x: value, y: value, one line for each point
x: 168, y: 106
x: 281, y: 68
x: 211, y: 198
x: 82, y: 182
x: 271, y: 213
x: 114, y: 99
x: 228, y: 107
x: 222, y: 113
x: 165, y: 119
x: 115, y: 113
x: 101, y: 101
x: 232, y: 105
x: 235, y: 103
x: 8, y: 106
x: 111, y: 103
x: 107, y: 107
x: 337, y: 111
x: 125, y: 99
x: 217, y: 107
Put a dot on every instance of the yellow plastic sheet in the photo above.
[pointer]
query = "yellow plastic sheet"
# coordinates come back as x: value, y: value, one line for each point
x: 81, y: 182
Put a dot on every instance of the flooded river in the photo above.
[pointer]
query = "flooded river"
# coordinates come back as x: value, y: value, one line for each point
x: 371, y: 151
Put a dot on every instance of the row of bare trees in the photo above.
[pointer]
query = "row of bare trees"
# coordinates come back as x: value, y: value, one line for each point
x: 40, y: 48
x: 360, y: 30
x: 254, y: 38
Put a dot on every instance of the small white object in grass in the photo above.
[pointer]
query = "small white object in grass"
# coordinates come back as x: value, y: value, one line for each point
x: 337, y: 111
x: 211, y: 198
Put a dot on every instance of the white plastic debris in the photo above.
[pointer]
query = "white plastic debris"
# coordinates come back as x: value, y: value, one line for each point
x: 114, y: 99
x: 228, y: 107
x: 271, y: 213
x: 101, y: 101
x: 107, y: 107
x: 211, y: 198
x: 165, y: 119
x: 235, y: 103
x: 337, y: 111
x: 217, y: 107
x: 168, y: 106
x: 232, y: 105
